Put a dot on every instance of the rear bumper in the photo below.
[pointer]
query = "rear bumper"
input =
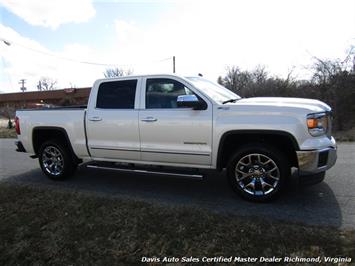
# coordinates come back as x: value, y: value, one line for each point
x: 316, y: 161
x: 19, y: 146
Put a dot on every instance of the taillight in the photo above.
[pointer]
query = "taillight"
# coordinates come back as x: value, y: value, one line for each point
x: 17, y: 126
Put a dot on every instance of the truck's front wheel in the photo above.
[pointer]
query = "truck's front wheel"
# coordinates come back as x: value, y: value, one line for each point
x: 55, y: 160
x: 258, y: 172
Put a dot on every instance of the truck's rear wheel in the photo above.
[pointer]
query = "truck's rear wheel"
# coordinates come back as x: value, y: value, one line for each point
x: 257, y: 172
x: 55, y: 160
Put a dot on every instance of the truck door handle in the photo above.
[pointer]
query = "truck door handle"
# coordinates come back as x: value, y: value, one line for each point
x: 95, y: 118
x: 149, y: 119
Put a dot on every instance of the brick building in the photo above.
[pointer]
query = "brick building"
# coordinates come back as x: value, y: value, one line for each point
x: 9, y: 102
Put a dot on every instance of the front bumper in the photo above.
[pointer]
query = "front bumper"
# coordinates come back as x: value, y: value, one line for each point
x: 316, y: 161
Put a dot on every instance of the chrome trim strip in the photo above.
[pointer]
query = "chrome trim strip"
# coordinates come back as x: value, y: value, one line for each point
x: 195, y: 143
x: 113, y: 149
x: 177, y: 153
x: 197, y: 176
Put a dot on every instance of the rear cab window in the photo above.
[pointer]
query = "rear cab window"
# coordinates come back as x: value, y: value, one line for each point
x: 119, y: 94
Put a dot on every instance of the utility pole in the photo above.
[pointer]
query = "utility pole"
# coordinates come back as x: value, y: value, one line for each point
x: 174, y: 64
x: 22, y: 82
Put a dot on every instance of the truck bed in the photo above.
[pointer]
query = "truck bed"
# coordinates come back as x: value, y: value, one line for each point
x: 70, y: 118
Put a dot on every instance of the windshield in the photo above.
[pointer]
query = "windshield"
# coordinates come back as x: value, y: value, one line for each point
x: 213, y: 90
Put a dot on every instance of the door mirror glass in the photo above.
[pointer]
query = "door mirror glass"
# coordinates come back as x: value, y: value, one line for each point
x: 189, y: 101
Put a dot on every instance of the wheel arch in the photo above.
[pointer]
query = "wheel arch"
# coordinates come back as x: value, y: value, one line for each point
x: 231, y: 140
x: 41, y: 134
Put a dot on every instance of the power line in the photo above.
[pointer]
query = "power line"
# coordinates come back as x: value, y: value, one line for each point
x: 8, y: 43
x: 165, y: 59
x: 60, y: 57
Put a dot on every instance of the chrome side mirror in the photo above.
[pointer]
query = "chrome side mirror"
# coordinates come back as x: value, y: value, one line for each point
x: 190, y: 101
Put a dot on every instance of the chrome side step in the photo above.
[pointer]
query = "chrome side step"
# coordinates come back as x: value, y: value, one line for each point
x: 146, y: 171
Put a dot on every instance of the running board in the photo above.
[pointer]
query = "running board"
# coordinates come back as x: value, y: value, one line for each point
x: 145, y: 171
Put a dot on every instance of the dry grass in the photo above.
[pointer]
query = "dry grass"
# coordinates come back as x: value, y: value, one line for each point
x: 7, y: 133
x: 4, y: 131
x: 346, y: 135
x: 44, y: 226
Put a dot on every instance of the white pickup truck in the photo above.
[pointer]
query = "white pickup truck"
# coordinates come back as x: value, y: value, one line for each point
x: 168, y: 124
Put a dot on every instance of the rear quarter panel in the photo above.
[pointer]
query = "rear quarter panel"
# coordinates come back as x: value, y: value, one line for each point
x: 72, y: 121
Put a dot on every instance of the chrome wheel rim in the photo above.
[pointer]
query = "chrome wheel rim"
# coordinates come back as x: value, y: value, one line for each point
x: 52, y: 160
x: 257, y: 174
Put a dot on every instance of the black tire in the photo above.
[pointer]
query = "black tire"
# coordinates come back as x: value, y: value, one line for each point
x: 257, y: 171
x: 47, y: 151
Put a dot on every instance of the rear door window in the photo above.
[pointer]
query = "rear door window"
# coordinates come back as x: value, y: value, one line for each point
x: 117, y: 94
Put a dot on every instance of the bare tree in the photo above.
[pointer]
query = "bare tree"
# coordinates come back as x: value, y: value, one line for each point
x: 46, y: 84
x: 259, y: 75
x: 230, y: 81
x: 332, y: 82
x: 220, y: 80
x: 72, y: 85
x: 325, y: 70
x: 117, y: 72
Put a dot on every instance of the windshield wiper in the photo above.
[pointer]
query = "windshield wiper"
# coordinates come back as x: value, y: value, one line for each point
x: 230, y: 101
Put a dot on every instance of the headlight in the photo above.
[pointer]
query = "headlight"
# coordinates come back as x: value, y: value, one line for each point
x: 317, y: 124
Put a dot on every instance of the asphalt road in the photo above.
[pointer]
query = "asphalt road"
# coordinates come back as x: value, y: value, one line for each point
x: 331, y: 202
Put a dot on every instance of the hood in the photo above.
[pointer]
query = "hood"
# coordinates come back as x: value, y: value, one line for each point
x: 312, y: 105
